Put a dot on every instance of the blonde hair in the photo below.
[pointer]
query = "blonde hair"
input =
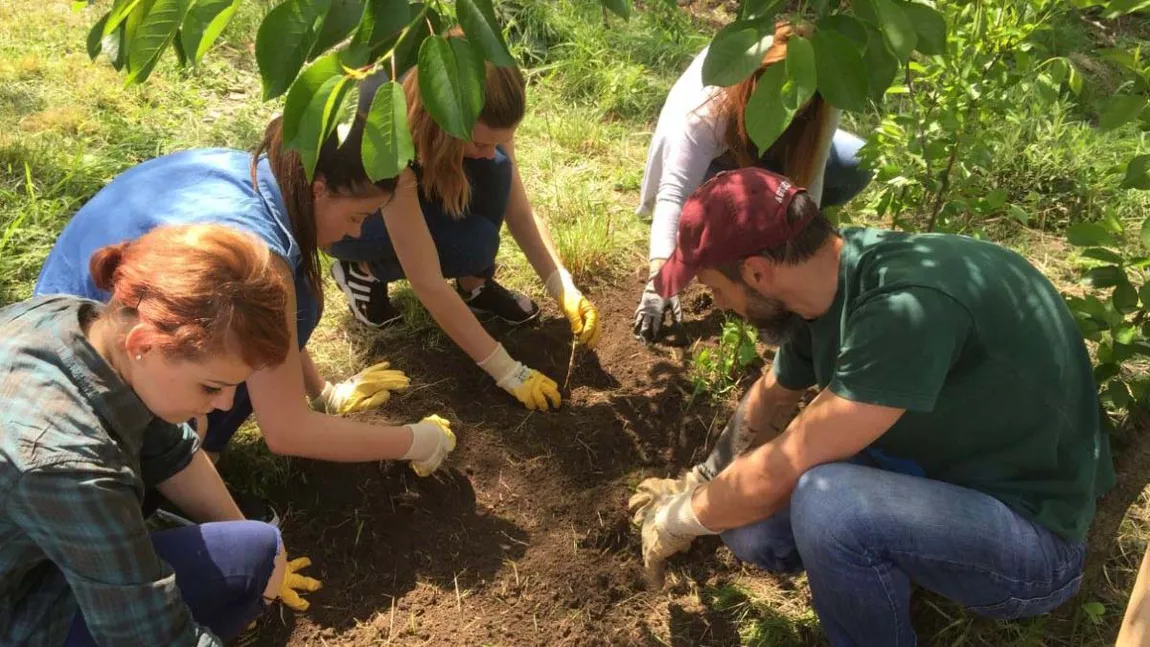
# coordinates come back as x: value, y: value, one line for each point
x: 440, y: 155
x: 796, y: 147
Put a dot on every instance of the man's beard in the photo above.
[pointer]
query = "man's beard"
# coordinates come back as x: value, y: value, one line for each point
x: 777, y: 325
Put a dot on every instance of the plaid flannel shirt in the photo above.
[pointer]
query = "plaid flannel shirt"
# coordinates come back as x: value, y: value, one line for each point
x: 77, y: 448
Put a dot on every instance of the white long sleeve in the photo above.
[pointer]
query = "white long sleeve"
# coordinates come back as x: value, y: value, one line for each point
x: 687, y: 138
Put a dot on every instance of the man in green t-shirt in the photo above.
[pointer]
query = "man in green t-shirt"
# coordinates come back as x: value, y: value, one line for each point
x: 956, y: 438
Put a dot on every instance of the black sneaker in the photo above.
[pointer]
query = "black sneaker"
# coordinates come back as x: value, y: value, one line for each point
x: 366, y: 295
x: 492, y: 299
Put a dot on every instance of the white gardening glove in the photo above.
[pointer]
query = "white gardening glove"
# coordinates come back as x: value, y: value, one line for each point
x: 431, y: 442
x: 532, y: 388
x: 668, y: 525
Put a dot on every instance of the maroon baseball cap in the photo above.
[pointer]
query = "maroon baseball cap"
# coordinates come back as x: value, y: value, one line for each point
x: 734, y: 215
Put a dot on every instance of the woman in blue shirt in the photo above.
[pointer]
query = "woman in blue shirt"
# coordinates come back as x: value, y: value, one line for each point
x: 268, y: 195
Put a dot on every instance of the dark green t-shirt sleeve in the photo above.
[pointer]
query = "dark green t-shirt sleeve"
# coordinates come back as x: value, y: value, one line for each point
x: 899, y: 347
x: 794, y: 367
x: 167, y: 450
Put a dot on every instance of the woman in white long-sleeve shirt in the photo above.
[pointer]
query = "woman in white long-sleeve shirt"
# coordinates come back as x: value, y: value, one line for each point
x: 702, y: 131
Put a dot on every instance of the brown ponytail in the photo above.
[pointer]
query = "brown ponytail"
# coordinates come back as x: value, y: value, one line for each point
x: 796, y: 146
x: 341, y: 167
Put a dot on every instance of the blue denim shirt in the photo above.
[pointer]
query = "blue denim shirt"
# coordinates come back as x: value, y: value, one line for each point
x: 77, y: 449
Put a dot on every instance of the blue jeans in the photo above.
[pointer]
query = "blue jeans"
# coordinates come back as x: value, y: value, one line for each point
x: 222, y: 425
x: 864, y: 534
x: 466, y: 245
x: 844, y: 177
x: 222, y: 570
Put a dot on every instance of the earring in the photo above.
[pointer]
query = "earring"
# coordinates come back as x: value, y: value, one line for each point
x: 139, y: 357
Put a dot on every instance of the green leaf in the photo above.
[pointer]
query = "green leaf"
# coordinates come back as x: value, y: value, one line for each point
x: 801, y: 70
x: 1018, y: 214
x: 154, y: 33
x: 378, y: 29
x: 757, y: 9
x: 451, y: 84
x: 478, y: 21
x: 204, y: 23
x: 893, y: 22
x: 767, y: 116
x: 1120, y: 110
x: 300, y: 95
x: 1104, y: 255
x: 929, y: 25
x: 319, y: 119
x: 880, y: 62
x: 1074, y: 81
x: 1104, y: 372
x: 178, y: 50
x: 842, y: 75
x: 283, y: 42
x: 1125, y: 300
x: 995, y: 199
x: 1089, y: 234
x: 1138, y: 177
x: 387, y: 144
x: 119, y: 12
x: 1119, y: 396
x: 1144, y: 295
x: 781, y: 92
x: 1117, y: 8
x: 338, y: 23
x: 736, y: 52
x: 96, y: 36
x: 1106, y: 276
x: 845, y: 25
x: 621, y: 8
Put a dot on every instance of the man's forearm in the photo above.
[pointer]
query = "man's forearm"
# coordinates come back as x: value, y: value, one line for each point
x: 1135, y: 631
x: 198, y: 491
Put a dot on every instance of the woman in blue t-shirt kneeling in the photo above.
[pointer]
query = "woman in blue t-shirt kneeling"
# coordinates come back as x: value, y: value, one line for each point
x: 266, y: 194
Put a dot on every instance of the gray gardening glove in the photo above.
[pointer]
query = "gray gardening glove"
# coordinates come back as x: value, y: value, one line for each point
x: 651, y: 313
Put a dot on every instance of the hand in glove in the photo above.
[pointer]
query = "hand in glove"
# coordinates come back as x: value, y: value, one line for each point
x: 294, y: 582
x: 367, y: 390
x: 652, y: 489
x: 668, y: 525
x: 651, y: 313
x: 431, y: 442
x: 580, y: 312
x: 535, y: 390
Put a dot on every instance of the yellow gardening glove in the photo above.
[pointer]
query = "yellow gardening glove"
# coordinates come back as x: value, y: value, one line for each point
x: 294, y: 582
x: 535, y: 390
x: 431, y: 442
x: 367, y: 390
x: 580, y: 312
x: 667, y: 523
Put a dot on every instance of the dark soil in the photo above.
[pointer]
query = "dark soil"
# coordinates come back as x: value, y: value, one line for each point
x: 524, y: 538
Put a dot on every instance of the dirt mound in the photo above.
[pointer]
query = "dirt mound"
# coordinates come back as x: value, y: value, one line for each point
x: 525, y: 539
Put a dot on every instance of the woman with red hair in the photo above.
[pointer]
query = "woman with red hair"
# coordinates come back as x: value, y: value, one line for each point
x: 95, y: 403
